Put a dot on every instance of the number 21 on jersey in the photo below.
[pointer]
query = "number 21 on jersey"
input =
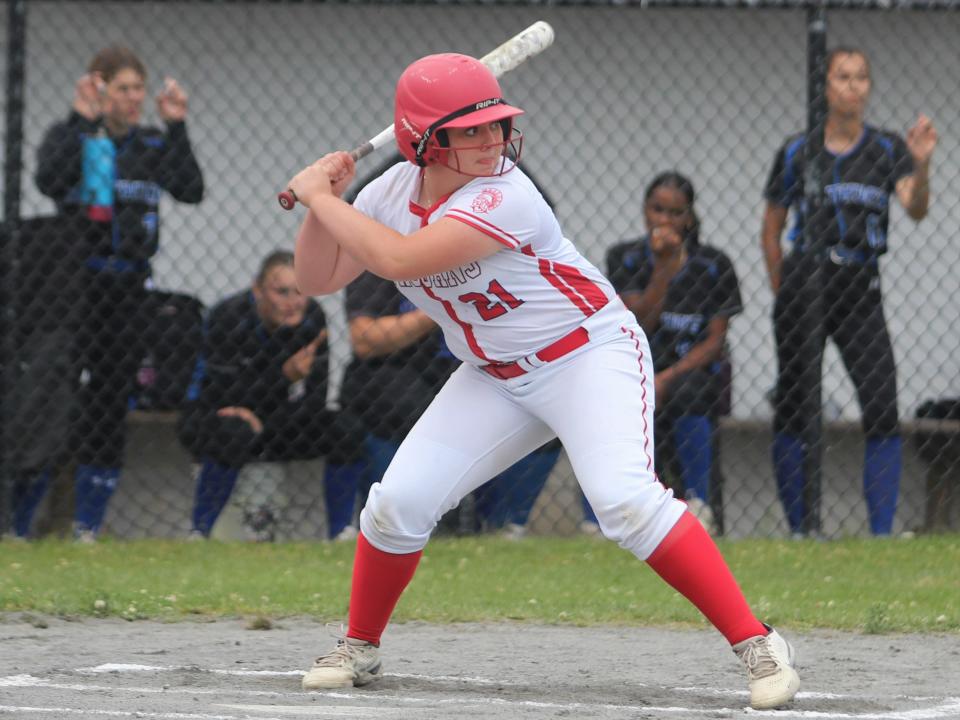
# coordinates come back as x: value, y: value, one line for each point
x: 494, y: 303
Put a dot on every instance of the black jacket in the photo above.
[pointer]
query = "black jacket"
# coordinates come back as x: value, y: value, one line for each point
x: 242, y: 363
x: 149, y: 161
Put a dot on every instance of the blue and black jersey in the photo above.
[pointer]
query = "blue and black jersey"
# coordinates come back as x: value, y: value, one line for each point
x: 706, y: 287
x: 148, y: 162
x: 857, y: 185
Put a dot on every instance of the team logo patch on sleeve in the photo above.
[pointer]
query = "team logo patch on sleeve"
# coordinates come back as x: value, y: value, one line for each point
x: 486, y: 200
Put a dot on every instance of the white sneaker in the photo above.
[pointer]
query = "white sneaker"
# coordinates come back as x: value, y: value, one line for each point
x: 769, y: 660
x: 352, y: 662
x: 348, y: 534
x: 590, y: 528
x: 84, y: 537
x: 702, y: 512
x: 513, y: 531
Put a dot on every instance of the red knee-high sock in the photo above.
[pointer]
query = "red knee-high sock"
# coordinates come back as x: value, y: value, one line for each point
x: 690, y: 562
x: 379, y: 578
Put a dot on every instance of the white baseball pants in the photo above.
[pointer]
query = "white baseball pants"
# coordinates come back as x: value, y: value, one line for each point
x: 598, y: 400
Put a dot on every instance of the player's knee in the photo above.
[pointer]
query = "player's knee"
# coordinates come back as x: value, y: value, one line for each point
x: 393, y: 520
x: 639, y: 523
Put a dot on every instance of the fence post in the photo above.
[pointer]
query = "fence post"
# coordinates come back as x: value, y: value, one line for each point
x: 13, y: 142
x: 814, y: 246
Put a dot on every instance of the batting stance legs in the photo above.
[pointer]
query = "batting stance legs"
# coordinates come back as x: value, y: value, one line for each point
x: 478, y: 426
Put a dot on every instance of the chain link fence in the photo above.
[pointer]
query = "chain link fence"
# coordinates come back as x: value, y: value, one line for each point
x: 119, y: 357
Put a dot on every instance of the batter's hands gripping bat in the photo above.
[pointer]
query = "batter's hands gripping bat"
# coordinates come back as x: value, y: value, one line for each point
x: 521, y: 47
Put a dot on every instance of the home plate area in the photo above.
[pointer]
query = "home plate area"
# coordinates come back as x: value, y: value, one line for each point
x: 222, y: 671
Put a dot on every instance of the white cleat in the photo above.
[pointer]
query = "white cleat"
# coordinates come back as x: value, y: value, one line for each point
x: 513, y: 531
x: 591, y: 529
x: 348, y: 534
x: 351, y: 663
x: 769, y: 660
x: 84, y: 537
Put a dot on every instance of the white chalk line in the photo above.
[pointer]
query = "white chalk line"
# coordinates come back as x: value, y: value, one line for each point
x: 950, y: 708
x: 477, y: 680
x: 946, y: 711
x: 351, y: 711
x: 29, y: 681
x: 314, y: 712
x: 60, y: 711
x: 132, y: 668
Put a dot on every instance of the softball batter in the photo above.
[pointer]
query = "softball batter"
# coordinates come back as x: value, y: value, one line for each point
x: 548, y: 351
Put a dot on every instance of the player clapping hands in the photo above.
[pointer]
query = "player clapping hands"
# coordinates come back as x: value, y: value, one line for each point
x: 172, y: 101
x: 119, y: 101
x: 921, y: 140
x: 87, y: 95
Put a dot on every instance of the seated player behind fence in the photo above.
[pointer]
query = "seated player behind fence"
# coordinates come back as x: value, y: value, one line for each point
x: 260, y: 394
x: 683, y: 293
x: 547, y: 349
x: 399, y: 364
x: 862, y: 168
x: 102, y: 164
x: 938, y: 445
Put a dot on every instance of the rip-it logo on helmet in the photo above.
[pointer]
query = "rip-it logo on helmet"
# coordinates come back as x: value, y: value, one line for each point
x: 408, y: 127
x: 446, y: 121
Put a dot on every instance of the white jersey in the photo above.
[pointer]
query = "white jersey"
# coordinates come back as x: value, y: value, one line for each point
x: 509, y: 305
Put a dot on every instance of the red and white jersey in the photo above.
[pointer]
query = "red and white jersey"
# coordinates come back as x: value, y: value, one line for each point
x: 509, y: 305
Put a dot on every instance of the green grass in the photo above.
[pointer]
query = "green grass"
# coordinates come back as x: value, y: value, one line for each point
x: 872, y: 586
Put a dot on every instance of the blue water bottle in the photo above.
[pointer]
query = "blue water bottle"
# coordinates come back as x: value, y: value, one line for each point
x: 99, y: 173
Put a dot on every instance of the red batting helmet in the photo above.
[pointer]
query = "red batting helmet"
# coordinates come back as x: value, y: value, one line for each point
x: 447, y: 91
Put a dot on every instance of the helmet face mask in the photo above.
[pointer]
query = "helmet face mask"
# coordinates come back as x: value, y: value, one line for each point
x: 447, y: 91
x: 440, y: 153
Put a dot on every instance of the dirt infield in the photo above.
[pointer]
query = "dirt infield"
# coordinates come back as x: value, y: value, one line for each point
x: 223, y: 671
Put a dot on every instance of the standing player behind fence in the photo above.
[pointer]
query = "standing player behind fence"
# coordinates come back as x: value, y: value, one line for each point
x: 866, y: 166
x: 547, y: 348
x: 138, y: 163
